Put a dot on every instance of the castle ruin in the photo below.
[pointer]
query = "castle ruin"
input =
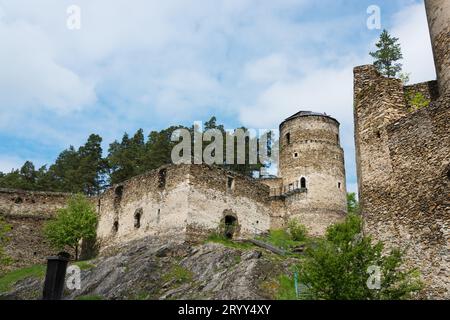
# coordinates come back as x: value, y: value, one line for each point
x: 403, y: 162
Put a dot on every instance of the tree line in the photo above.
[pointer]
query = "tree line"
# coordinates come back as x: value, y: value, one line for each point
x: 85, y: 170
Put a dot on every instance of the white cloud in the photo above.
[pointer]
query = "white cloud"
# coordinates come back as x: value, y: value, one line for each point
x: 31, y: 77
x: 411, y: 27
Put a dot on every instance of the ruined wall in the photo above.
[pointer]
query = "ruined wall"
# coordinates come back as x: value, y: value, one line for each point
x: 27, y: 212
x: 188, y: 205
x: 313, y: 152
x: 438, y: 14
x: 429, y: 90
x: 158, y: 199
x: 403, y: 163
x: 216, y: 193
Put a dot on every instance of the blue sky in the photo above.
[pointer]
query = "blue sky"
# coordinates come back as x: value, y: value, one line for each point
x: 150, y: 64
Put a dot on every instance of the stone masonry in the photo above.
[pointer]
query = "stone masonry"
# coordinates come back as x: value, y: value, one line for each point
x: 403, y: 162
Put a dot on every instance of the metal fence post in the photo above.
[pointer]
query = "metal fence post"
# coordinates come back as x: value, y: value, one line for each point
x: 55, y: 276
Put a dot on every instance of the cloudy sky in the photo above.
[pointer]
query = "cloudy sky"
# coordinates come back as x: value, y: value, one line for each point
x: 150, y: 64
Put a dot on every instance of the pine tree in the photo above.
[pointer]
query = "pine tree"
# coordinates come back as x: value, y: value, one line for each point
x: 387, y: 55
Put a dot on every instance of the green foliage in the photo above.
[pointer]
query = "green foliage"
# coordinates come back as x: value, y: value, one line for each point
x: 337, y: 267
x: 77, y: 221
x: 282, y: 239
x: 286, y: 288
x: 417, y: 101
x: 297, y: 231
x: 388, y: 53
x: 9, y: 279
x: 178, y: 274
x: 352, y: 204
x: 85, y: 170
x: 4, y: 239
x: 84, y: 265
x: 216, y: 237
x: 76, y: 171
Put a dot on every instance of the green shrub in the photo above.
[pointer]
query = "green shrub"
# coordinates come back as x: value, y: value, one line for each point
x: 76, y: 222
x: 297, y: 231
x: 337, y: 267
x: 417, y: 101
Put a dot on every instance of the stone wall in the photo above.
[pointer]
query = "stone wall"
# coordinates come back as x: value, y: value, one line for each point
x: 185, y: 203
x: 403, y: 163
x: 313, y: 153
x: 27, y: 212
x: 429, y: 90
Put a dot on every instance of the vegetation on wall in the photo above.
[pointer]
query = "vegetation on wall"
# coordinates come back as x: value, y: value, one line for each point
x: 72, y: 224
x: 417, y: 101
x: 387, y: 55
x: 85, y: 170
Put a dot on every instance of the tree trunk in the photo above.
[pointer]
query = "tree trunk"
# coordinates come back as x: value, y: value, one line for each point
x: 76, y: 253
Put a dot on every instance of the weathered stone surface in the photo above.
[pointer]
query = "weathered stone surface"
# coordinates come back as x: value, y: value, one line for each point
x: 26, y: 212
x: 310, y: 150
x: 138, y: 270
x: 403, y: 174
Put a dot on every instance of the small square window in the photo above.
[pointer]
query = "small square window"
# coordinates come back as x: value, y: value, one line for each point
x: 296, y: 155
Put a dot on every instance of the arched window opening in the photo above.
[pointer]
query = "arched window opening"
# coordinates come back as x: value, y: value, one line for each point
x: 119, y: 192
x: 162, y: 178
x: 230, y: 226
x: 137, y: 218
x: 230, y: 183
x: 303, y: 183
x: 288, y: 138
x: 18, y: 200
x: 116, y: 226
x: 448, y: 174
x: 339, y: 185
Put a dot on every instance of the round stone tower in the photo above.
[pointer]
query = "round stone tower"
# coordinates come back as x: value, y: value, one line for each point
x: 438, y: 14
x: 311, y: 165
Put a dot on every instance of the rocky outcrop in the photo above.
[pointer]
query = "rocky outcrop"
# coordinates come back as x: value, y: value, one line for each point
x: 152, y: 269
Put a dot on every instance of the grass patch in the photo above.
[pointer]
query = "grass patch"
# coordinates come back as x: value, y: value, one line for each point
x: 282, y: 239
x: 178, y: 274
x: 8, y: 280
x: 285, y: 289
x: 217, y: 238
x: 84, y: 265
x: 89, y: 297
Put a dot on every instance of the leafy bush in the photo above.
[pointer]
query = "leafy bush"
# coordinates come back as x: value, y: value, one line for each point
x: 352, y: 203
x: 297, y: 231
x: 417, y: 101
x: 72, y: 224
x: 337, y: 268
